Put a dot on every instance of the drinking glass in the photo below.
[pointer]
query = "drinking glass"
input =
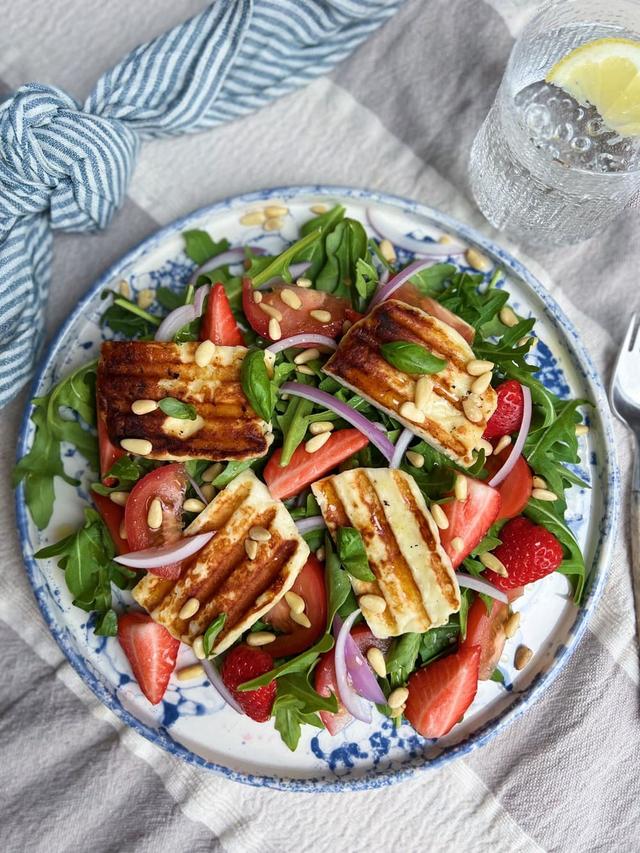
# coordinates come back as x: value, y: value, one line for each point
x: 544, y: 168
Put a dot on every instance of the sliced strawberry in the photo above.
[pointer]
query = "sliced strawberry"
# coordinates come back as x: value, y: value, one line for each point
x: 515, y: 490
x: 485, y: 629
x: 528, y: 552
x: 305, y: 468
x: 469, y: 520
x: 242, y: 664
x: 410, y: 294
x: 441, y: 692
x: 151, y: 651
x: 219, y: 325
x: 508, y: 415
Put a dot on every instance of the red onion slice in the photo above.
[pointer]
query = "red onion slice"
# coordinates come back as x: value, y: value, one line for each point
x: 355, y: 704
x: 303, y: 340
x: 199, y: 297
x: 174, y: 321
x: 480, y: 585
x: 384, y: 292
x: 425, y: 248
x: 362, y: 676
x: 306, y: 525
x: 196, y: 489
x: 372, y: 431
x: 229, y: 258
x: 401, y: 445
x: 218, y: 684
x: 155, y: 558
x: 516, y: 450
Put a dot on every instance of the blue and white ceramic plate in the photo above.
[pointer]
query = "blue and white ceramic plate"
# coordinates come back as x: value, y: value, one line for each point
x: 192, y: 722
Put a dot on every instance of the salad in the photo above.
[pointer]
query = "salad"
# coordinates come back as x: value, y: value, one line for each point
x: 328, y: 471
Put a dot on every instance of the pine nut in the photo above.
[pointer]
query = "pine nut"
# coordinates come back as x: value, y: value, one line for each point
x: 445, y: 238
x: 457, y: 544
x: 320, y: 554
x: 209, y: 474
x: 528, y: 339
x: 582, y: 429
x: 377, y: 661
x: 137, y: 446
x: 198, y: 648
x: 411, y: 412
x: 145, y: 298
x: 193, y: 505
x: 397, y: 697
x: 260, y: 638
x: 154, y: 515
x: 373, y: 603
x: 472, y: 410
x: 320, y: 427
x: 189, y: 608
x: 273, y: 224
x: 397, y: 712
x: 318, y: 441
x: 276, y: 210
x: 296, y: 602
x: 476, y: 367
x: 439, y: 516
x: 251, y: 548
x: 318, y: 209
x: 122, y: 530
x: 119, y: 498
x: 423, y: 392
x: 300, y: 619
x: 254, y: 217
x: 204, y: 353
x: 275, y: 332
x: 480, y: 385
x: 307, y: 355
x: 486, y: 446
x: 387, y: 251
x: 270, y: 311
x: 461, y: 488
x: 477, y: 260
x: 492, y: 562
x: 415, y: 459
x: 259, y: 533
x: 544, y: 495
x: 189, y: 673
x: 306, y: 371
x: 257, y: 297
x: 522, y: 657
x: 508, y: 317
x: 539, y: 483
x: 511, y: 625
x: 505, y: 441
x: 143, y: 407
x: 208, y: 491
x: 124, y: 289
x: 291, y: 299
x: 320, y: 315
x: 303, y: 282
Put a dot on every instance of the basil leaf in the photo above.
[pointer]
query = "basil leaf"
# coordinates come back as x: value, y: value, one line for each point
x: 199, y: 246
x: 352, y: 554
x: 212, y: 632
x: 402, y: 658
x: 436, y: 641
x: 411, y: 358
x: 337, y: 580
x: 431, y: 280
x: 256, y: 384
x: 177, y: 409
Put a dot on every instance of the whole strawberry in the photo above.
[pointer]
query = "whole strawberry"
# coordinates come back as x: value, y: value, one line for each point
x: 242, y: 664
x: 508, y: 414
x: 528, y: 552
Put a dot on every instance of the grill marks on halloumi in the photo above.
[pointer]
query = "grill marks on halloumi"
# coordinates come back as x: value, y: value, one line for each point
x: 358, y: 364
x: 226, y: 426
x: 413, y: 573
x: 221, y: 576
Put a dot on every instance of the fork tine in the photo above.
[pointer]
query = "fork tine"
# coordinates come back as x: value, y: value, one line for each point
x: 632, y: 338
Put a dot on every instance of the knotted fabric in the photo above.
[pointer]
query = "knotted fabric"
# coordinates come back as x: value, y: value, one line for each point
x: 66, y: 165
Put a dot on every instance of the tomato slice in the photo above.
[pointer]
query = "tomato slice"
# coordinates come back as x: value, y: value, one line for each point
x: 305, y: 468
x: 294, y: 321
x: 112, y: 515
x: 296, y: 638
x: 219, y: 325
x: 108, y: 452
x: 515, y: 490
x: 469, y: 520
x: 169, y: 485
x: 486, y: 630
x: 410, y: 294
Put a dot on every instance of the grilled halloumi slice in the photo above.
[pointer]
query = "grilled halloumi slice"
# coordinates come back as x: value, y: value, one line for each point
x: 413, y: 573
x: 221, y: 576
x: 226, y: 427
x: 358, y: 364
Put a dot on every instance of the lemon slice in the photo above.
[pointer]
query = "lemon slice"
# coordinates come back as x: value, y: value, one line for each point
x: 606, y: 74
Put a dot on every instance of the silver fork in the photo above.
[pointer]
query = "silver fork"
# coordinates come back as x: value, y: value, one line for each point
x: 625, y: 403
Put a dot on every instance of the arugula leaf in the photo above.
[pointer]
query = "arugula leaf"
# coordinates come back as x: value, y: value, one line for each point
x: 256, y: 384
x: 301, y: 663
x: 231, y: 471
x: 338, y: 584
x: 497, y: 676
x: 438, y: 640
x: 106, y: 624
x: 352, y: 554
x: 431, y: 280
x: 168, y: 298
x: 43, y: 462
x: 200, y: 247
x: 280, y: 264
x: 126, y: 471
x: 127, y: 318
x: 190, y: 332
x: 209, y: 636
x: 323, y: 221
x: 411, y: 358
x: 294, y: 423
x: 344, y: 245
x: 366, y: 283
x: 402, y: 658
x: 177, y: 409
x: 297, y: 704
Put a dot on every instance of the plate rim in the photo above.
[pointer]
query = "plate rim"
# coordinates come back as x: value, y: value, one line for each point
x: 372, y: 778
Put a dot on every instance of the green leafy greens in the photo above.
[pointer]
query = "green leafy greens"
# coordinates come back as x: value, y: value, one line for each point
x: 177, y: 409
x: 411, y: 358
